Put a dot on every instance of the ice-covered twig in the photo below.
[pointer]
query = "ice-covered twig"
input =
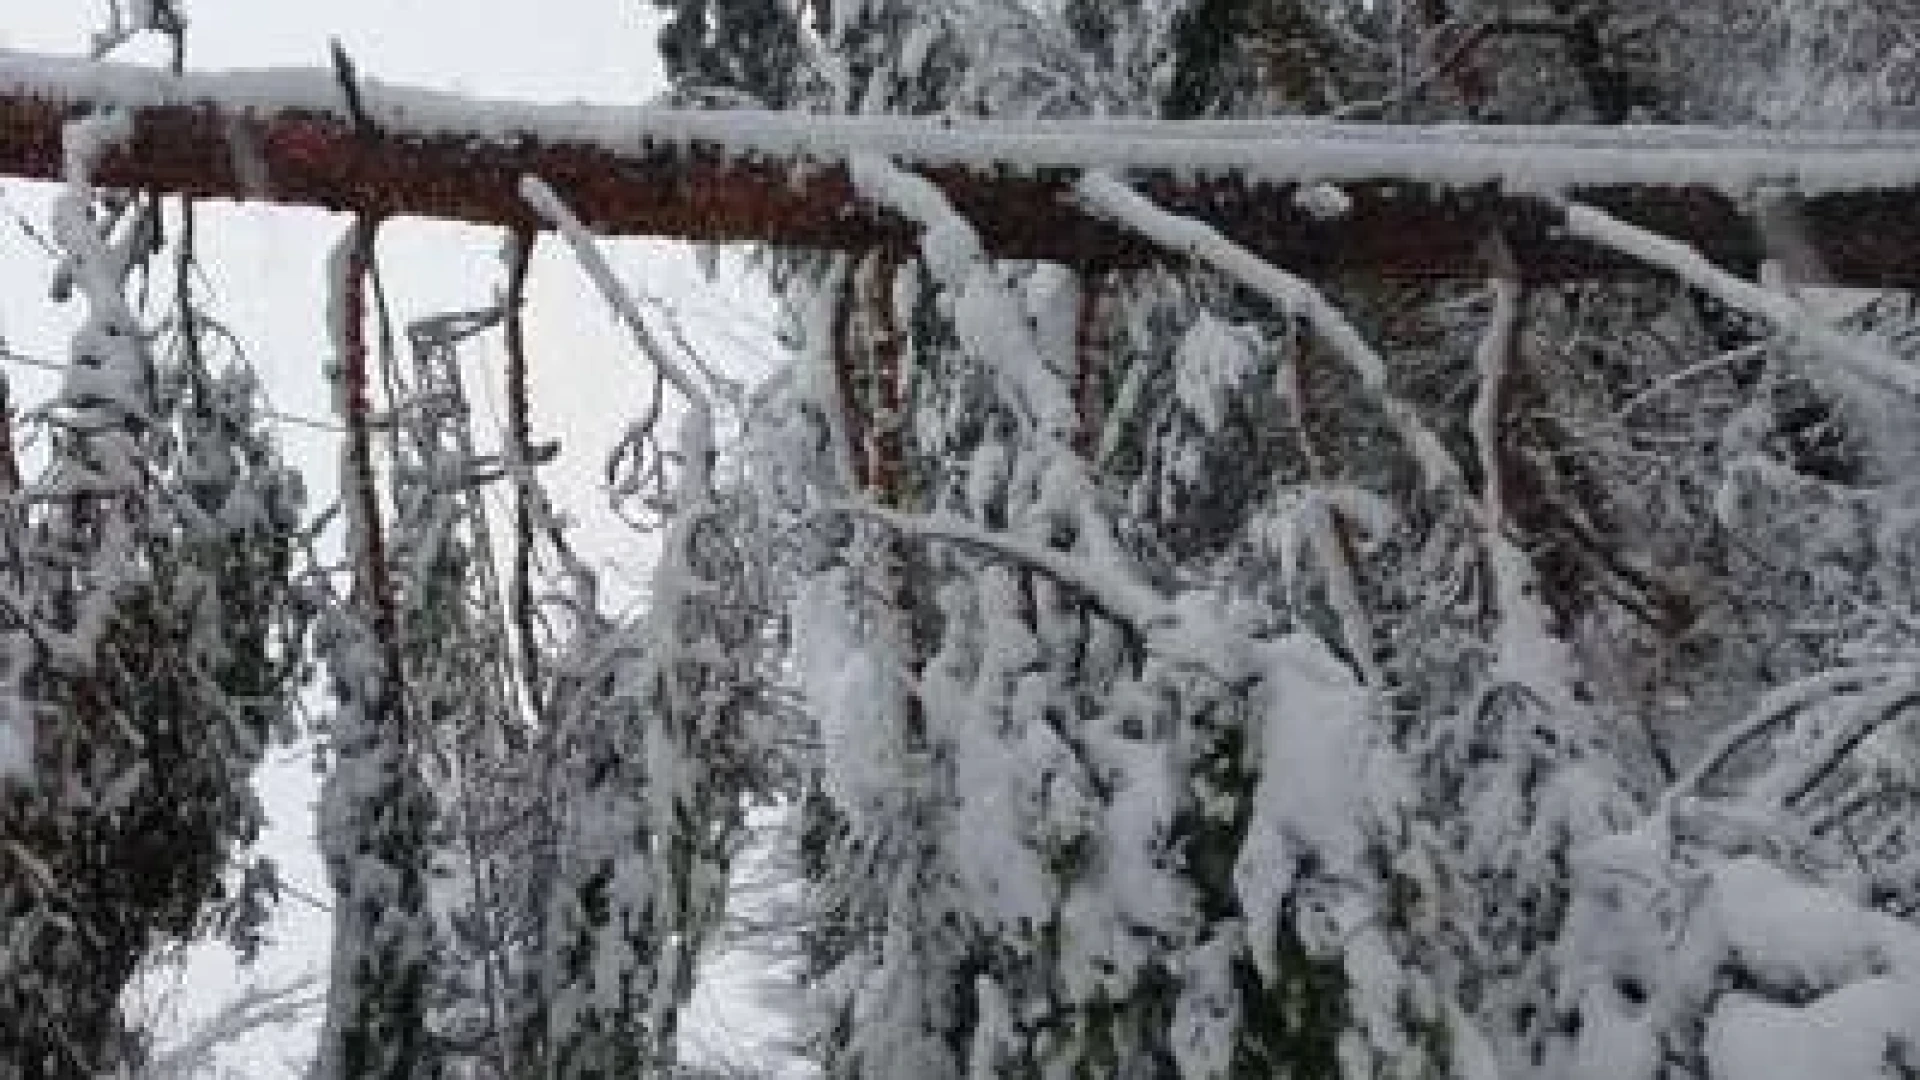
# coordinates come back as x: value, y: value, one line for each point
x: 1490, y: 361
x: 1814, y: 767
x: 1293, y: 295
x: 1783, y: 313
x: 1668, y: 383
x: 697, y: 434
x: 1775, y: 708
x: 1335, y: 556
x: 1127, y: 602
x: 255, y: 1008
x: 988, y: 317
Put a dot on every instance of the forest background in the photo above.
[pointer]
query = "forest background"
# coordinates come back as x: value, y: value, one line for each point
x: 1194, y: 672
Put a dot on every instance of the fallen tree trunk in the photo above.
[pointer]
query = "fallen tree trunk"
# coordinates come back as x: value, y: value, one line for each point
x: 1319, y: 199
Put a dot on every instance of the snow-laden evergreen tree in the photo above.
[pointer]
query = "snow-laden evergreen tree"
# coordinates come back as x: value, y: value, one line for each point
x: 1212, y: 673
x: 656, y: 724
x: 1212, y: 683
x: 1045, y: 836
x: 479, y: 755
x: 151, y: 632
x: 377, y: 812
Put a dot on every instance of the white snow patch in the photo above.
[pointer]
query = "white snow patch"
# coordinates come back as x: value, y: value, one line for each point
x: 1313, y: 787
x: 1324, y: 201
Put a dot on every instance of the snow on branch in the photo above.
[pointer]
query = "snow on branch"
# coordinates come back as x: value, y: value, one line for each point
x: 1127, y: 602
x: 1490, y: 362
x: 1415, y: 201
x: 1889, y: 688
x: 987, y: 316
x: 1294, y: 296
x: 1780, y: 311
x: 697, y: 437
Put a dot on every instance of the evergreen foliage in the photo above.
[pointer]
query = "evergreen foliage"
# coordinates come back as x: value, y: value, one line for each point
x: 1193, y: 673
x: 152, y: 641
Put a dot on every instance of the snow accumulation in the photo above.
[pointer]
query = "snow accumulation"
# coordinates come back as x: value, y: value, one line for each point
x: 1105, y: 195
x: 1869, y: 360
x: 986, y: 314
x: 1521, y: 158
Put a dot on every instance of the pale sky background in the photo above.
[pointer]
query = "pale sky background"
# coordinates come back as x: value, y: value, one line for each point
x: 266, y: 266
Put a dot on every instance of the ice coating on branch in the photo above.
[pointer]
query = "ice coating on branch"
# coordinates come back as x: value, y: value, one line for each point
x: 989, y: 317
x: 1293, y: 295
x: 1866, y: 359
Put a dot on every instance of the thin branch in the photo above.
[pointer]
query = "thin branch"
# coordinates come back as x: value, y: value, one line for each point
x: 1786, y: 315
x: 1775, y: 708
x: 1491, y: 360
x: 1293, y: 295
x: 255, y: 1008
x: 1086, y: 358
x: 697, y: 435
x: 1128, y: 603
x: 366, y: 541
x: 520, y: 456
x: 1867, y: 718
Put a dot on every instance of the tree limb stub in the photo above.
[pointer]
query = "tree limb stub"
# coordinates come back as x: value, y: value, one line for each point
x: 1319, y: 199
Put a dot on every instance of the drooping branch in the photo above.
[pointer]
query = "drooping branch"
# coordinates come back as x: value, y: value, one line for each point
x: 697, y: 431
x: 1860, y: 355
x: 1414, y: 201
x: 373, y: 589
x: 1293, y: 295
x: 519, y: 258
x: 1127, y: 602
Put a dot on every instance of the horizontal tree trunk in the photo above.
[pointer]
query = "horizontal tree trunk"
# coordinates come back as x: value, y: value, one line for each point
x: 1318, y: 199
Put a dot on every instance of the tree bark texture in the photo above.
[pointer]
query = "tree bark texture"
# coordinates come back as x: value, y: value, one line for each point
x: 1410, y: 202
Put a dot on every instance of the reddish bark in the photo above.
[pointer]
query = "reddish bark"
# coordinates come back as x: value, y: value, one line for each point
x: 373, y: 591
x: 700, y: 192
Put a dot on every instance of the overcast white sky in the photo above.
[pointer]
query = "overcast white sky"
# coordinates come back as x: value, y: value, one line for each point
x: 266, y: 269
